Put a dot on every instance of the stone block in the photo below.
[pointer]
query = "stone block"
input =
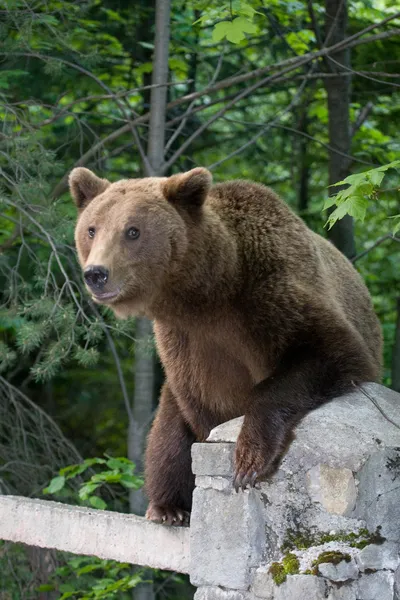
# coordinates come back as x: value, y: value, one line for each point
x: 343, y: 592
x: 378, y: 502
x: 376, y: 586
x: 213, y: 459
x: 215, y: 593
x: 301, y: 587
x: 377, y: 557
x: 226, y: 432
x: 215, y: 483
x: 263, y: 584
x: 343, y: 571
x: 226, y: 538
x: 334, y: 488
x: 397, y: 584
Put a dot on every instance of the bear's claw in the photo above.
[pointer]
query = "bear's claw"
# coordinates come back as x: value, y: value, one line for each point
x: 242, y: 480
x: 167, y: 515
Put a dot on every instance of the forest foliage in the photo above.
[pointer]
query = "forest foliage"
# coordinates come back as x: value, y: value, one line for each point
x: 247, y: 97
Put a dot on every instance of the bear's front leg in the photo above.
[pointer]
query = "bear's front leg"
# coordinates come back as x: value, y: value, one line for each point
x: 306, y: 379
x: 169, y: 480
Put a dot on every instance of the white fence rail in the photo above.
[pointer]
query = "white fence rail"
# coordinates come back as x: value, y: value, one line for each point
x: 111, y: 535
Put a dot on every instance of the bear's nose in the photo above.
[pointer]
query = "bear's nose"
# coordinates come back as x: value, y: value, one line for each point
x: 95, y: 276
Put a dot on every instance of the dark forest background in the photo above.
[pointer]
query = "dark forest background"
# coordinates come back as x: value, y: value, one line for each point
x: 296, y: 95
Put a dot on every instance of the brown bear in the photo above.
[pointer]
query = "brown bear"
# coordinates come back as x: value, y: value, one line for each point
x: 254, y: 314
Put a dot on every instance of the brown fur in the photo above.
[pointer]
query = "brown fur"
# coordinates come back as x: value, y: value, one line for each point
x: 253, y: 314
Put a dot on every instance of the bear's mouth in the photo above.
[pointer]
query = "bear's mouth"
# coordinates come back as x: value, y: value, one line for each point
x: 105, y: 297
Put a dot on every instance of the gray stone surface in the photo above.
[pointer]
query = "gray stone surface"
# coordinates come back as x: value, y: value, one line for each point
x: 397, y: 584
x: 342, y: 592
x: 216, y: 593
x: 227, y: 432
x: 376, y: 586
x: 340, y: 572
x: 226, y: 538
x: 315, y: 487
x: 334, y: 488
x: 383, y: 556
x: 301, y: 587
x: 344, y: 432
x: 213, y: 459
x: 378, y: 502
x: 215, y: 483
x: 263, y: 584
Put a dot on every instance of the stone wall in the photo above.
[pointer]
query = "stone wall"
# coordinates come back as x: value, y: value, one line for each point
x: 325, y: 526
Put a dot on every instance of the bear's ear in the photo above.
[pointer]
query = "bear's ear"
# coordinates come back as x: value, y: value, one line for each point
x: 188, y: 189
x: 85, y: 185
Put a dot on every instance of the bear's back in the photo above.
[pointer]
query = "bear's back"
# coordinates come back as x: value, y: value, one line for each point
x: 279, y: 248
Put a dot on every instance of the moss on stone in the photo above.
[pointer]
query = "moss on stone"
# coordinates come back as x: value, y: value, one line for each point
x: 368, y: 538
x: 278, y: 573
x: 291, y: 564
x: 300, y: 540
x: 332, y: 556
x: 296, y: 540
x: 288, y: 566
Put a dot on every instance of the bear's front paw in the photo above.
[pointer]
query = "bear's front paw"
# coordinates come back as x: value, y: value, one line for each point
x: 167, y: 515
x: 254, y: 461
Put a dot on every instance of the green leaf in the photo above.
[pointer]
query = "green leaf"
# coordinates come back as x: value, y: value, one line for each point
x: 97, y: 502
x: 396, y: 227
x: 234, y: 31
x: 219, y: 31
x: 73, y: 470
x: 131, y: 482
x: 46, y: 587
x: 87, y: 490
x: 56, y: 484
x: 122, y: 463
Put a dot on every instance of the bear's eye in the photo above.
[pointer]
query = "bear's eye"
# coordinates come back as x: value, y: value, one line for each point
x: 91, y: 232
x: 132, y: 233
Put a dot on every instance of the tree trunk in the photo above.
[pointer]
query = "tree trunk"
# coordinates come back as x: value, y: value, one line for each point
x: 304, y: 167
x: 396, y: 353
x: 338, y: 91
x: 143, y: 406
x: 143, y: 403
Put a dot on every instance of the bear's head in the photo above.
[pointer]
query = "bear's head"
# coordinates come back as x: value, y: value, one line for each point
x: 132, y: 235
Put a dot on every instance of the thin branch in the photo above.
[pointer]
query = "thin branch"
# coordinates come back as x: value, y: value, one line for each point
x: 361, y: 74
x: 375, y: 403
x: 265, y: 128
x: 117, y: 364
x: 219, y: 114
x: 379, y: 241
x: 9, y: 242
x: 189, y: 110
x: 361, y: 118
x: 306, y: 135
x: 291, y: 63
x: 314, y: 23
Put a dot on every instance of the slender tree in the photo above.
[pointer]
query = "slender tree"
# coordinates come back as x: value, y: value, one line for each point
x: 143, y: 401
x: 338, y: 92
